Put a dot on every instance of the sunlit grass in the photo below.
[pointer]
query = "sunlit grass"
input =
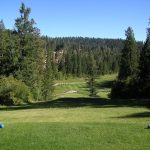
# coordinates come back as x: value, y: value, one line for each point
x: 76, y: 123
x: 79, y: 86
x: 75, y: 128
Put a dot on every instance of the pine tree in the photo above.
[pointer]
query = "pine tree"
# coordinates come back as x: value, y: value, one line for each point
x: 2, y: 26
x: 75, y: 63
x: 92, y: 68
x: 92, y: 76
x: 31, y: 53
x: 129, y: 58
x: 145, y: 68
x: 127, y: 84
x: 79, y: 71
x: 91, y: 84
x: 48, y: 74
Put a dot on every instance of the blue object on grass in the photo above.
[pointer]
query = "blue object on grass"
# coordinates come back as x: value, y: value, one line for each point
x: 148, y: 126
x: 2, y: 126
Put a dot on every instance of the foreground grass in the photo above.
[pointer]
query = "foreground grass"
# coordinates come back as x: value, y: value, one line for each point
x: 76, y: 128
x: 77, y: 123
x: 72, y: 136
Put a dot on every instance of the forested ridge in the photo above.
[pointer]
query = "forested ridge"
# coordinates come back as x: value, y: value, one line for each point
x: 30, y: 62
x: 73, y: 55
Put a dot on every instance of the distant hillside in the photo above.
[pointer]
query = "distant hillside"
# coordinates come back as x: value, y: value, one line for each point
x: 75, y: 55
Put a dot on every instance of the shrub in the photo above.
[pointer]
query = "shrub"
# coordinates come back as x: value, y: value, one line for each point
x: 13, y: 91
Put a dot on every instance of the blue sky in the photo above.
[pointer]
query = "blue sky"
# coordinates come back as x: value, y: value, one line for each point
x: 87, y: 18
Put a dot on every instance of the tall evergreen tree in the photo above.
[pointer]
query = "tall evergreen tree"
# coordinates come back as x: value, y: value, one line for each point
x: 79, y: 60
x: 2, y: 26
x: 31, y: 53
x: 92, y: 68
x: 145, y: 68
x: 130, y: 57
x: 48, y: 74
x: 92, y: 72
x: 75, y: 63
x: 91, y: 84
x: 126, y: 85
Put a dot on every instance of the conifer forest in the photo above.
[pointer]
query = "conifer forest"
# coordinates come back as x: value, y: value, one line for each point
x: 74, y: 75
x: 30, y: 62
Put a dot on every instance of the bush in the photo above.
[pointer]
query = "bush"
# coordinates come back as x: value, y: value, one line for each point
x: 13, y: 91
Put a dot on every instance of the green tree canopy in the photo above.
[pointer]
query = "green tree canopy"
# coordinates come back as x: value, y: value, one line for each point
x: 129, y: 57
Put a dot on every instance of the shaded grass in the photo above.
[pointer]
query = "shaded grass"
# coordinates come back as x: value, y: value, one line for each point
x: 70, y: 102
x: 137, y: 115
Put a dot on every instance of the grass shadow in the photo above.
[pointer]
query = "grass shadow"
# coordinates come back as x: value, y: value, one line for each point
x: 138, y: 115
x: 81, y: 102
x: 104, y: 84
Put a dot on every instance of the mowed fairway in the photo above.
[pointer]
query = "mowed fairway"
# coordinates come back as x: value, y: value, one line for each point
x: 77, y: 87
x: 76, y: 123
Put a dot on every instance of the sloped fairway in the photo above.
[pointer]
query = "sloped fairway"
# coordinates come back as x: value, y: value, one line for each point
x: 77, y: 87
x: 86, y: 128
x: 73, y: 121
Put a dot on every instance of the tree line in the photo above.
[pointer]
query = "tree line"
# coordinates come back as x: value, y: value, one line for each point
x: 29, y: 62
x: 79, y: 53
x: 25, y: 62
x: 134, y: 70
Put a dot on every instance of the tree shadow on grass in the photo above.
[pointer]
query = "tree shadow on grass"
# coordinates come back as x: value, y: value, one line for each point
x: 104, y: 84
x: 137, y: 115
x: 81, y: 102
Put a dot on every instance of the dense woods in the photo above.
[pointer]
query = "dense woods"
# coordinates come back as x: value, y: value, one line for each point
x: 77, y: 56
x: 30, y: 62
x: 134, y: 76
x: 22, y: 53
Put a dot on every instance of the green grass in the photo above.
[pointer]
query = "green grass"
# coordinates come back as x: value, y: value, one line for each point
x: 72, y: 136
x: 77, y: 123
x: 76, y: 128
x: 79, y: 85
